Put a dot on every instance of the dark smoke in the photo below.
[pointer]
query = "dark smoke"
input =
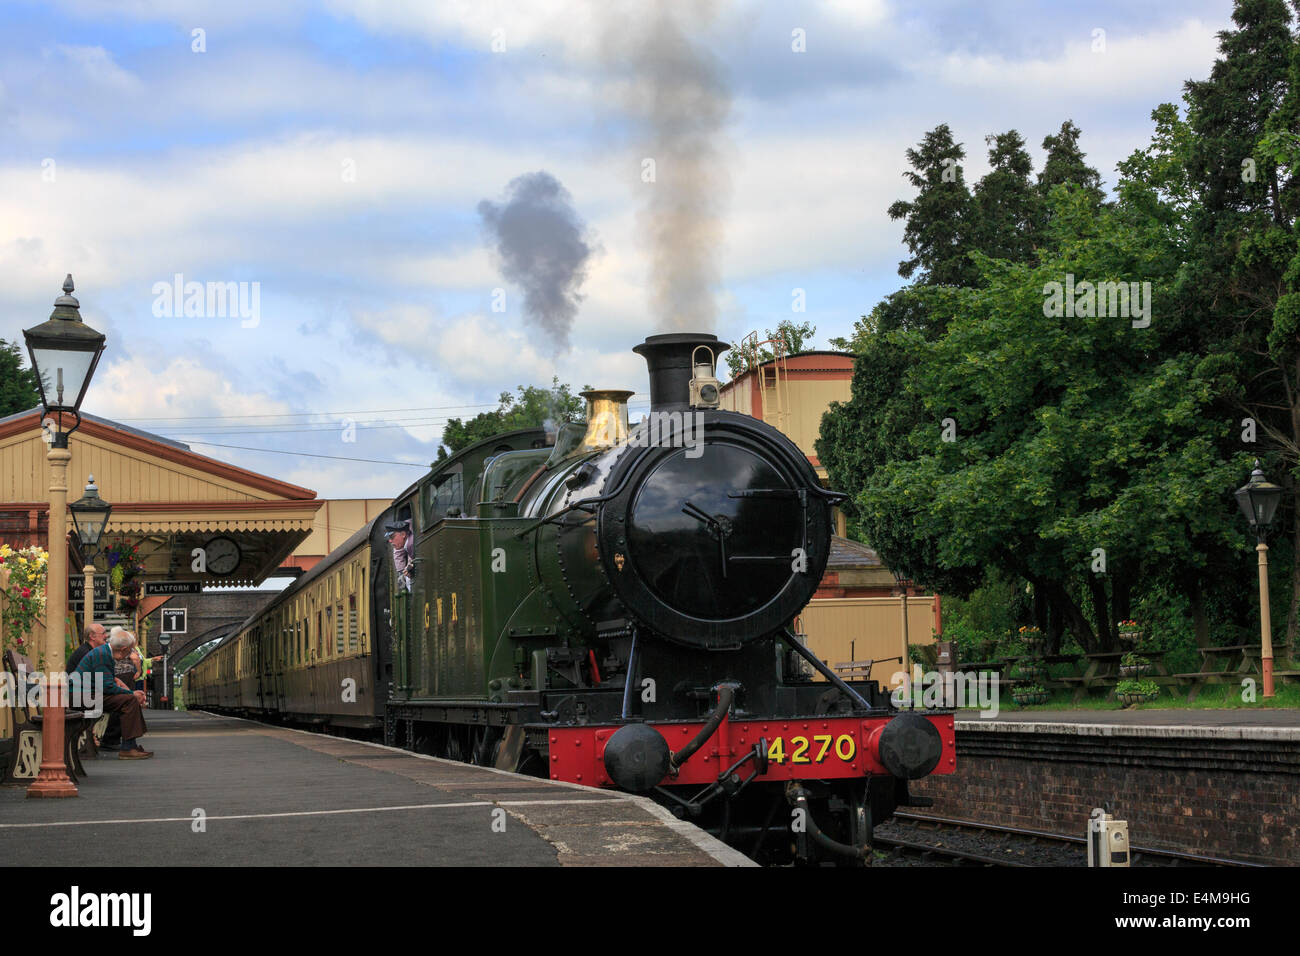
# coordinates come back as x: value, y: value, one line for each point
x: 678, y: 101
x: 544, y: 250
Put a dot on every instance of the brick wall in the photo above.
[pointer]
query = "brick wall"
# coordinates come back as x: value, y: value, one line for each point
x: 1235, y: 795
x: 206, y: 611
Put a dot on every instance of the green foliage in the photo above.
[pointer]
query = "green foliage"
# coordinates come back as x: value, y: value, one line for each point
x: 938, y: 221
x: 18, y: 388
x: 1144, y: 687
x: 532, y: 407
x: 1065, y: 166
x: 1009, y: 211
x: 794, y: 337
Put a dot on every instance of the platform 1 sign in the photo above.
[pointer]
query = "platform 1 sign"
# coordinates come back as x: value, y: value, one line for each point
x: 173, y: 620
x: 157, y: 588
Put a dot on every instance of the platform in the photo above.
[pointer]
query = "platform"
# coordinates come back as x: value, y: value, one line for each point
x: 278, y: 797
x: 1273, y: 723
x: 1221, y: 783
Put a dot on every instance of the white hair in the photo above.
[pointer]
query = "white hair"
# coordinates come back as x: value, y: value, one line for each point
x: 120, y: 639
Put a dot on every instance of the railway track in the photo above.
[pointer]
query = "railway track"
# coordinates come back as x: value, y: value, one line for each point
x: 922, y: 839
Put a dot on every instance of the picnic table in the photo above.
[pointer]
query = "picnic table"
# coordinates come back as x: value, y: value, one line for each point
x: 1103, y: 671
x: 1222, y: 665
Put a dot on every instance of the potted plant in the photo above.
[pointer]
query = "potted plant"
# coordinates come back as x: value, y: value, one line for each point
x: 1133, y: 665
x: 1137, y: 691
x: 1130, y: 632
x: 1028, y: 694
x: 1030, y: 670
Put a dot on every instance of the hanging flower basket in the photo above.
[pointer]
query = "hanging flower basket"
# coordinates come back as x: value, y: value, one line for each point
x: 1030, y: 695
x: 1129, y: 692
x: 22, y: 578
x: 125, y: 568
x: 1130, y: 633
x: 1030, y: 670
x: 1133, y: 666
x: 1129, y: 699
x: 1033, y: 640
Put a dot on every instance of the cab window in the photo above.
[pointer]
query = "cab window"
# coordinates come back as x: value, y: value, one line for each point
x: 444, y: 496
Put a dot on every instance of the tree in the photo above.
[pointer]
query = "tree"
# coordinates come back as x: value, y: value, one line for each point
x: 1240, y: 297
x: 938, y: 221
x: 533, y: 407
x: 1008, y: 210
x: 794, y: 338
x: 1080, y: 453
x: 18, y: 386
x: 1065, y: 165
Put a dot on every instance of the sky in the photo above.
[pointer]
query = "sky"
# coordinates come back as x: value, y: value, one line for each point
x: 330, y: 158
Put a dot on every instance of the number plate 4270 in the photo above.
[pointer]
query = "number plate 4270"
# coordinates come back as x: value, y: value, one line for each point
x: 816, y: 748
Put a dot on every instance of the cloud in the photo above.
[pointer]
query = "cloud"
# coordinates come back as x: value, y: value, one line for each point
x: 99, y: 68
x: 1129, y: 66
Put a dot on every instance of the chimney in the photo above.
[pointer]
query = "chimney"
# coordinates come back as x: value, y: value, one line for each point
x: 669, y: 360
x: 606, y: 419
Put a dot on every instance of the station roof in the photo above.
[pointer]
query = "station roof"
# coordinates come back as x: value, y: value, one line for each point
x: 166, y: 497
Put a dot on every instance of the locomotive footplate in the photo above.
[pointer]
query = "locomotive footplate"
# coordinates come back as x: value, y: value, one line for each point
x: 807, y: 748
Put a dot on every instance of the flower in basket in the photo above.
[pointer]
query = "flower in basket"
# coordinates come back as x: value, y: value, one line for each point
x: 1129, y: 629
x: 1137, y: 691
x: 1030, y: 694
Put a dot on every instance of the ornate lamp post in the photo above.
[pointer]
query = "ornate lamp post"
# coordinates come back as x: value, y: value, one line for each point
x: 64, y: 352
x: 89, y: 516
x: 1259, y: 500
x: 904, y: 585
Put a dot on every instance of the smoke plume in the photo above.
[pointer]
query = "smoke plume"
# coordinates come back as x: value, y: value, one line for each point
x: 678, y: 102
x: 544, y: 249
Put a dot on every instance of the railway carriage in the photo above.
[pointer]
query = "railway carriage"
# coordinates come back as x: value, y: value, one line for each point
x: 607, y: 607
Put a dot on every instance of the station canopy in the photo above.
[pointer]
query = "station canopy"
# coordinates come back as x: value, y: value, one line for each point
x: 166, y: 499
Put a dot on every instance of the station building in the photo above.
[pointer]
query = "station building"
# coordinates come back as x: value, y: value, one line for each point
x: 169, y: 504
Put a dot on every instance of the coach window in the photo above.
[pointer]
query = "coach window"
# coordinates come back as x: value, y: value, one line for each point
x: 352, y: 623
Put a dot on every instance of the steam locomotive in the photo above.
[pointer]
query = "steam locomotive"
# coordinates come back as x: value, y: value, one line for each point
x: 609, y: 607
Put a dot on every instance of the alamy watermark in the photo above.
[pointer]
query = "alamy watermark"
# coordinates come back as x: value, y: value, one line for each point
x: 1115, y: 300
x: 83, y: 692
x: 208, y: 300
x: 978, y: 691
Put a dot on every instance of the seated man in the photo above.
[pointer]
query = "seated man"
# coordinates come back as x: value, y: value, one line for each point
x: 94, y: 636
x: 118, y: 699
x: 125, y: 670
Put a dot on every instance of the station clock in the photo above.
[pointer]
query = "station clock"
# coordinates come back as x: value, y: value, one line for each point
x: 223, y: 556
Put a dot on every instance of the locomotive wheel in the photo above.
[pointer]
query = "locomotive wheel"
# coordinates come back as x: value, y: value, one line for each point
x: 487, y: 742
x: 453, y: 749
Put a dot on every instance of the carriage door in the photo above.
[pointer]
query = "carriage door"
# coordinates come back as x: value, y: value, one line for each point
x: 280, y: 659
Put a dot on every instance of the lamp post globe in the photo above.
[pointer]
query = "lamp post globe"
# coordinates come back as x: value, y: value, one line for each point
x: 89, y: 517
x: 64, y: 352
x: 1258, y: 500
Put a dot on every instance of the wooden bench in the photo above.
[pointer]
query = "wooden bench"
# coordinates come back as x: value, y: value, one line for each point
x: 24, y: 760
x: 860, y: 670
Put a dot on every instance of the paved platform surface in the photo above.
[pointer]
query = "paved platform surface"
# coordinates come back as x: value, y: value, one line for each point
x: 1262, y: 723
x: 276, y: 797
